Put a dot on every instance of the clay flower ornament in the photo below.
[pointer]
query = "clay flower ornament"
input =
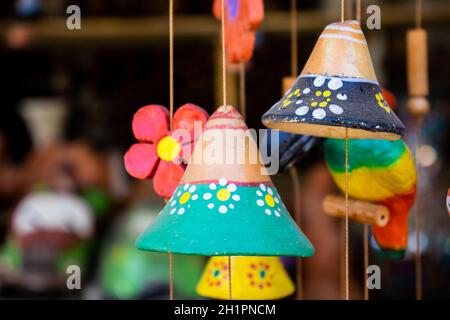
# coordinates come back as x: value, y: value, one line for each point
x: 242, y: 19
x: 161, y: 154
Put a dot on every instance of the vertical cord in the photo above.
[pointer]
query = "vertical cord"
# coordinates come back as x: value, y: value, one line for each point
x: 366, y: 226
x: 243, y: 107
x: 342, y: 10
x: 230, y: 288
x: 366, y: 260
x: 418, y: 23
x: 346, y: 219
x: 171, y: 119
x: 418, y: 14
x: 358, y: 10
x: 294, y: 46
x: 224, y: 62
x: 224, y: 93
x: 171, y: 62
x: 417, y: 215
x: 293, y: 169
x: 297, y: 216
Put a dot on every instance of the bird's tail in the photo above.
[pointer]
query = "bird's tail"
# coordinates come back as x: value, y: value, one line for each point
x: 393, y: 238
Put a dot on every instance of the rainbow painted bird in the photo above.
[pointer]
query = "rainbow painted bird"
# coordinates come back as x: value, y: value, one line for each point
x: 382, y: 172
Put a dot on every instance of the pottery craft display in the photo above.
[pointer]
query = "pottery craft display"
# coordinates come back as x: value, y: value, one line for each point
x: 242, y: 19
x: 162, y: 155
x: 337, y: 89
x: 224, y: 206
x: 253, y: 278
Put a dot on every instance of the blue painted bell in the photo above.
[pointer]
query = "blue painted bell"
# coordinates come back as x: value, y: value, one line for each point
x: 337, y: 89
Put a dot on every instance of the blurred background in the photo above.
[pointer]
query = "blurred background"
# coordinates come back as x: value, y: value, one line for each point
x: 65, y: 122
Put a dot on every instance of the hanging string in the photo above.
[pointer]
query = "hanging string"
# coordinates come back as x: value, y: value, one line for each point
x: 366, y: 260
x: 230, y: 289
x: 342, y: 10
x: 366, y: 226
x: 224, y: 62
x: 347, y: 294
x: 293, y: 170
x: 418, y: 14
x: 243, y: 107
x: 418, y: 23
x: 224, y: 93
x: 294, y: 45
x: 171, y: 94
x: 171, y: 61
x: 358, y: 10
x: 417, y: 214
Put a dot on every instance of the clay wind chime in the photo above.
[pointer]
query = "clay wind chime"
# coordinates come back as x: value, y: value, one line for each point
x: 418, y: 106
x: 225, y: 208
x: 253, y: 277
x: 338, y: 96
x: 226, y: 205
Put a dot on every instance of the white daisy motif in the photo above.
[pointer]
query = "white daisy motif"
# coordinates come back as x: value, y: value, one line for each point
x: 182, y: 197
x: 269, y: 200
x: 224, y: 193
x: 319, y: 99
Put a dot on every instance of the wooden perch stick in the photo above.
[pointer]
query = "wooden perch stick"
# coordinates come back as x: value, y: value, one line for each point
x: 360, y: 211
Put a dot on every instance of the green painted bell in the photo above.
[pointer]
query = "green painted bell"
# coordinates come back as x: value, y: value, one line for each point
x: 226, y: 203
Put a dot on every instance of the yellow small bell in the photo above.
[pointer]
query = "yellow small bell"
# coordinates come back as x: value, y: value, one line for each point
x: 253, y: 278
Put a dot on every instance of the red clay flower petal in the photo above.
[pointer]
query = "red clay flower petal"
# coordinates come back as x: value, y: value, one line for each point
x: 167, y: 177
x: 141, y: 160
x: 184, y: 118
x: 151, y: 123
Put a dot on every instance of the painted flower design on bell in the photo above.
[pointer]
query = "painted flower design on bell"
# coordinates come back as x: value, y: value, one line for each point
x: 382, y: 102
x: 267, y: 199
x: 182, y: 199
x: 221, y: 196
x: 260, y: 275
x: 319, y: 98
x: 290, y: 97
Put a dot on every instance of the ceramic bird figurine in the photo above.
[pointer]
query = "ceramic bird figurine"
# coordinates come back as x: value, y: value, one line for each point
x: 382, y: 172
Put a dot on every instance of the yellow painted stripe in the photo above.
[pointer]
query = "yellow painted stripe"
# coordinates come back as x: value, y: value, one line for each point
x: 375, y: 184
